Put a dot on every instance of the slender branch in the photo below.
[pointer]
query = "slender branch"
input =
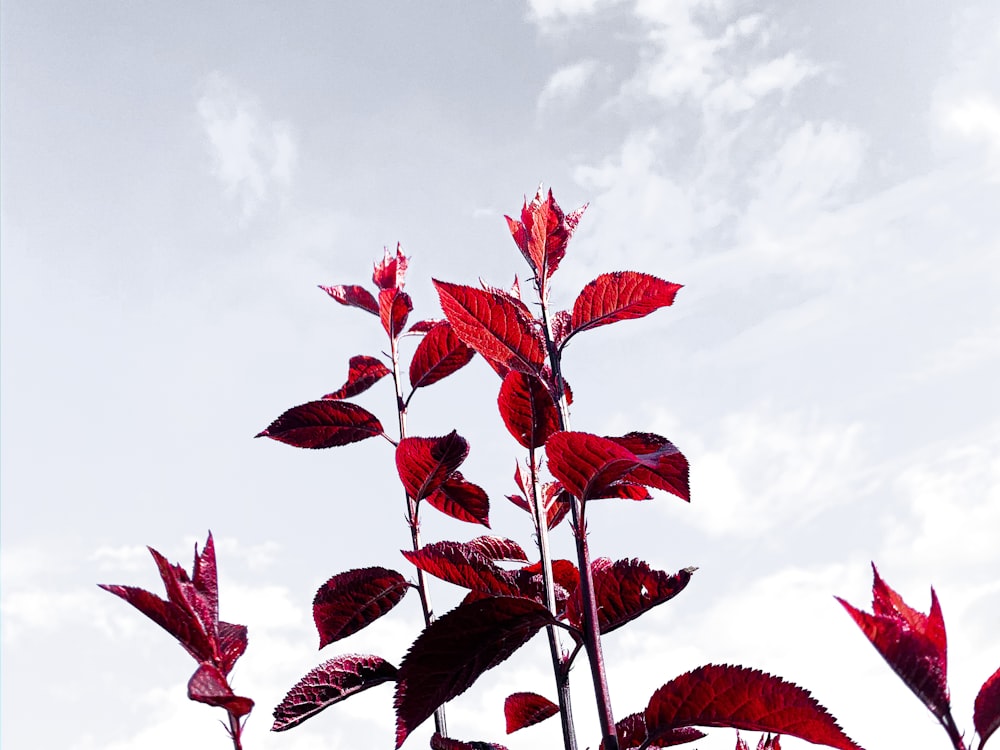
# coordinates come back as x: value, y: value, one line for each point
x: 555, y: 647
x: 413, y: 520
x: 591, y: 628
x: 235, y: 730
x: 948, y: 722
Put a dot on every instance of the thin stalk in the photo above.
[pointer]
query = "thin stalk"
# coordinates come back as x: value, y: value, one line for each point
x: 413, y: 520
x: 235, y: 730
x: 560, y: 668
x: 948, y: 722
x: 591, y: 628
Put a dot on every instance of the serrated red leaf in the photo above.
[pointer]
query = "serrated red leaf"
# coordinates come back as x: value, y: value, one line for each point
x: 495, y: 325
x: 354, y: 599
x: 353, y: 295
x: 626, y: 589
x: 498, y: 548
x: 439, y: 353
x: 363, y: 372
x: 232, y: 644
x: 731, y: 696
x: 209, y: 685
x: 390, y: 272
x: 462, y: 500
x: 524, y: 709
x: 463, y: 564
x: 323, y: 424
x: 394, y: 309
x: 631, y: 733
x: 527, y: 409
x: 589, y: 466
x: 329, y: 683
x: 986, y: 715
x: 622, y: 295
x: 913, y: 644
x: 453, y: 651
x: 424, y: 464
x: 447, y: 743
x: 421, y: 326
x: 543, y: 233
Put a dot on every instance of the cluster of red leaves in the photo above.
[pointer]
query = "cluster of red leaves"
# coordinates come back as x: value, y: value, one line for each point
x: 190, y: 613
x: 916, y: 647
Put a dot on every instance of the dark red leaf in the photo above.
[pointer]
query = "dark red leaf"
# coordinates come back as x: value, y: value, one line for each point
x: 172, y: 618
x: 363, y: 372
x: 557, y: 503
x: 543, y: 233
x: 353, y: 296
x: 730, y: 696
x: 462, y: 500
x: 913, y: 644
x: 421, y: 326
x: 208, y: 685
x: 353, y: 600
x: 524, y: 709
x: 626, y: 589
x: 631, y: 733
x: 390, y: 272
x: 447, y: 743
x: 623, y: 490
x: 463, y: 564
x: 425, y: 463
x: 453, y: 651
x: 394, y: 308
x: 497, y: 548
x: 323, y: 424
x: 205, y: 581
x: 986, y: 716
x: 440, y: 353
x: 495, y: 325
x: 232, y: 644
x: 527, y: 409
x: 622, y: 295
x: 596, y: 466
x: 329, y: 683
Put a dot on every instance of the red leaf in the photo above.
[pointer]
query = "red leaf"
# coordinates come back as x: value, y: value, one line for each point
x: 425, y: 463
x: 556, y: 502
x: 208, y: 685
x: 232, y: 645
x: 913, y: 644
x: 986, y: 716
x: 497, y: 548
x: 390, y: 272
x: 495, y: 325
x: 524, y: 709
x: 422, y: 326
x: 463, y: 564
x: 631, y: 733
x: 394, y: 308
x: 590, y: 466
x: 447, y: 743
x: 527, y: 409
x: 730, y: 696
x: 363, y: 372
x: 323, y: 424
x: 438, y: 355
x: 543, y: 233
x: 562, y: 326
x: 329, y: 683
x: 626, y: 589
x: 353, y: 600
x: 661, y: 465
x: 622, y: 295
x: 353, y: 296
x: 462, y: 500
x: 453, y: 651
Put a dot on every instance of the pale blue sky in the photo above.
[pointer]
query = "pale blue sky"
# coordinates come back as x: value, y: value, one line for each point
x: 177, y: 179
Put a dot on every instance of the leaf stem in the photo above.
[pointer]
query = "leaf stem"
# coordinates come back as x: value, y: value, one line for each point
x: 413, y: 520
x: 591, y: 628
x: 235, y: 731
x: 555, y: 647
x: 948, y: 722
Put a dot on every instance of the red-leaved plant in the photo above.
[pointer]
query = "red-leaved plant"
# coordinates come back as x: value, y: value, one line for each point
x: 510, y: 596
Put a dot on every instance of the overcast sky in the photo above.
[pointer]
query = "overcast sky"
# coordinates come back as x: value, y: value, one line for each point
x: 823, y: 178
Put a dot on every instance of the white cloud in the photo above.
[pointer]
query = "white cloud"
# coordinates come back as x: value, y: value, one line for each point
x: 567, y: 82
x: 253, y: 157
x: 543, y: 11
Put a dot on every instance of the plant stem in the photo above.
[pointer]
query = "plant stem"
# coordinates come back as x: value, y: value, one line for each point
x: 555, y: 647
x: 413, y: 520
x: 235, y: 730
x: 591, y: 628
x: 948, y: 722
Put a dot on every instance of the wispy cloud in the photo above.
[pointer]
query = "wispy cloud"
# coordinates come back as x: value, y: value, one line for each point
x: 567, y: 82
x: 253, y: 157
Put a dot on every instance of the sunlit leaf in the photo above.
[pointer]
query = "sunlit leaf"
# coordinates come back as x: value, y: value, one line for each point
x: 323, y: 424
x: 462, y: 500
x: 622, y: 295
x: 363, y: 372
x: 390, y: 272
x: 524, y: 709
x: 543, y: 232
x: 527, y: 409
x: 986, y: 717
x: 353, y: 296
x: 394, y: 308
x: 440, y: 353
x: 208, y: 685
x: 425, y: 463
